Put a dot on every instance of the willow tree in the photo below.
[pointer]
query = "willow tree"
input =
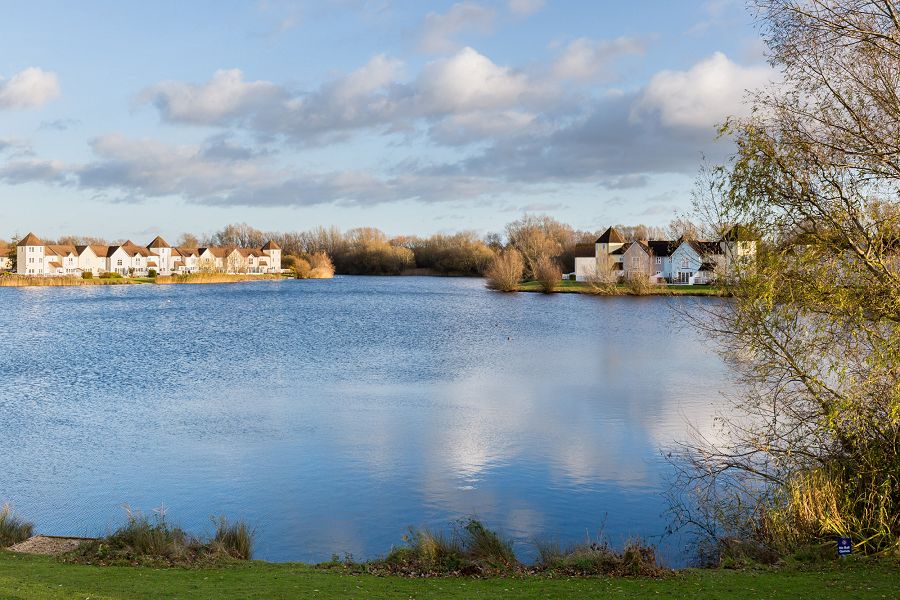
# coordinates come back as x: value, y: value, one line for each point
x: 811, y: 448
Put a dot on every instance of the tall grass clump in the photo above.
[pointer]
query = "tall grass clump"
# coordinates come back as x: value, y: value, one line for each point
x: 598, y: 558
x: 235, y: 539
x: 821, y: 504
x: 504, y: 273
x: 548, y: 273
x: 154, y: 541
x: 470, y: 549
x: 13, y: 529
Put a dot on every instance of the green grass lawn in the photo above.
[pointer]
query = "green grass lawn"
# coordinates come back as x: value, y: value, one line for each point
x: 37, y: 577
x: 581, y: 287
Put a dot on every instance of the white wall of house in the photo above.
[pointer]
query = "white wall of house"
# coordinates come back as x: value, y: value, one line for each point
x: 686, y: 263
x: 30, y: 260
x: 89, y: 262
x: 118, y: 261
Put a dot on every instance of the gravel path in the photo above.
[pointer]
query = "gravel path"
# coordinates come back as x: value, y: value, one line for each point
x: 48, y: 544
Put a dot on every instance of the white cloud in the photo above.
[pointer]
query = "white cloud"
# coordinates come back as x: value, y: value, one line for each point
x: 31, y: 88
x: 525, y: 7
x: 438, y: 30
x: 372, y: 97
x: 584, y: 59
x: 469, y: 81
x: 225, y: 96
x: 702, y: 96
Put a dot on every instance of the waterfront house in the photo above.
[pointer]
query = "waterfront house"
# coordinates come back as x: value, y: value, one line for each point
x: 681, y: 261
x: 5, y: 262
x: 34, y: 257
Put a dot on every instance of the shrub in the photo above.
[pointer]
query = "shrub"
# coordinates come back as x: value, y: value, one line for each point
x: 110, y: 275
x: 87, y: 275
x: 638, y: 284
x: 151, y: 273
x: 505, y: 271
x: 321, y: 266
x: 301, y: 268
x: 13, y: 529
x: 548, y: 273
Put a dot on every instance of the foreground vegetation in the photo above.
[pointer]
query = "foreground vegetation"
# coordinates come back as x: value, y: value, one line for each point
x: 809, y: 448
x: 43, y: 578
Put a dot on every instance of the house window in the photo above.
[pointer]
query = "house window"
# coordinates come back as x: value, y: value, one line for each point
x: 684, y: 262
x: 659, y: 260
x: 635, y: 262
x: 119, y: 263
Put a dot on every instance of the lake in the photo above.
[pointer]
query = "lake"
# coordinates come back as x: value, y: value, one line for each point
x: 334, y: 414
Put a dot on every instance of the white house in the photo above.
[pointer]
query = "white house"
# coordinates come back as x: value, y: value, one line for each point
x: 678, y: 261
x: 608, y: 251
x: 34, y: 257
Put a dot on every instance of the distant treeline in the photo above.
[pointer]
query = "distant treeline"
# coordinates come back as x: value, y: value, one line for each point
x: 369, y: 251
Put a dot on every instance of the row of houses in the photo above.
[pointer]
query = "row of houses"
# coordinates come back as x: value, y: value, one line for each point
x: 34, y: 257
x: 681, y: 261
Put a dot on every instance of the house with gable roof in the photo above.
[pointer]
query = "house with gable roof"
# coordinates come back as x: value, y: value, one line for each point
x: 681, y: 261
x: 34, y: 257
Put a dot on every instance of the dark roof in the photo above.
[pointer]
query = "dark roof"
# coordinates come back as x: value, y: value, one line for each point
x: 611, y: 236
x: 704, y: 248
x: 662, y: 247
x: 580, y: 250
x: 158, y: 242
x: 270, y: 245
x: 30, y: 240
x: 740, y: 233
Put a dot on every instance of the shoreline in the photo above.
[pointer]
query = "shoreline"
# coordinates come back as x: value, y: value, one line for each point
x: 190, y: 279
x: 581, y: 287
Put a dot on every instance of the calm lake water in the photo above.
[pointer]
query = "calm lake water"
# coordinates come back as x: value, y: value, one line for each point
x: 334, y: 414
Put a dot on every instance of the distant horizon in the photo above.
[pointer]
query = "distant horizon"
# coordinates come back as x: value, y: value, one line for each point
x: 414, y: 119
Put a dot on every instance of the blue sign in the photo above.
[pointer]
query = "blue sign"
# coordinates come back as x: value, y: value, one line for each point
x: 845, y: 546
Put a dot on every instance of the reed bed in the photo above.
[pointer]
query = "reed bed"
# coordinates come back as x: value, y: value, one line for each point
x: 214, y: 278
x: 65, y: 280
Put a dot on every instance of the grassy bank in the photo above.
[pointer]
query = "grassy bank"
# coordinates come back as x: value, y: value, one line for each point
x: 36, y: 577
x: 581, y: 287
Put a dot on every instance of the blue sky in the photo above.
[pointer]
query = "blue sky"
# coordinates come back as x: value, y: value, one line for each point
x: 126, y: 119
